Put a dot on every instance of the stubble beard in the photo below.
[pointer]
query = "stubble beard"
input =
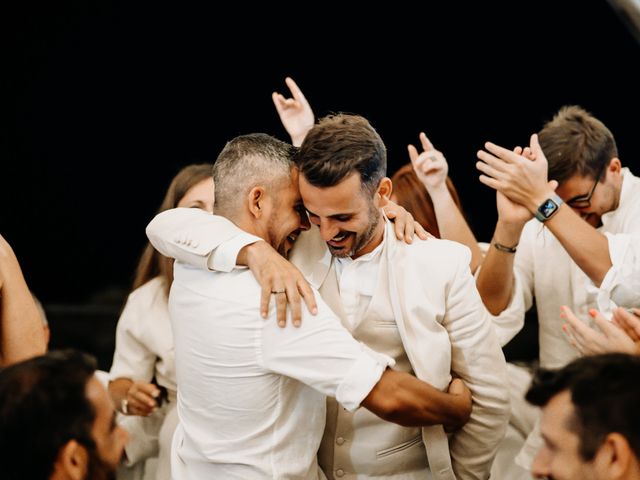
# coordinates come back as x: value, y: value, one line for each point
x: 361, y: 240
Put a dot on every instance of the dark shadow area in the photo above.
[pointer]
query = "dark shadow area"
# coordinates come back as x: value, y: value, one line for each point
x: 524, y: 347
x: 103, y: 102
x: 88, y: 327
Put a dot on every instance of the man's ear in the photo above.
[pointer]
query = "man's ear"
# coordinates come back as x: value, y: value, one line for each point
x: 72, y: 461
x: 256, y: 199
x: 614, y: 457
x: 615, y: 165
x: 383, y: 193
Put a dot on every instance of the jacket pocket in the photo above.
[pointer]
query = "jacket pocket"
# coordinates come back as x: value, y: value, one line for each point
x: 385, y: 323
x: 400, y: 447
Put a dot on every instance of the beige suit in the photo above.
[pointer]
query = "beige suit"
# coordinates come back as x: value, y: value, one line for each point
x: 441, y: 327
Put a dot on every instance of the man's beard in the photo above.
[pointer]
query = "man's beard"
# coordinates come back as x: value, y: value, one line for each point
x: 362, y: 239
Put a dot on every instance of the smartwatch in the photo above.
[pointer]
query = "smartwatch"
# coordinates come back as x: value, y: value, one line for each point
x: 548, y: 208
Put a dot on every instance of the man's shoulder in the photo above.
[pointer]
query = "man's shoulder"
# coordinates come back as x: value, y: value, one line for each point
x: 432, y: 250
x: 238, y: 283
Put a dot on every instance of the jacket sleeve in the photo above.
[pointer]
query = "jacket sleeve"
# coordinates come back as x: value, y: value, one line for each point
x: 194, y: 237
x: 132, y: 357
x: 476, y: 357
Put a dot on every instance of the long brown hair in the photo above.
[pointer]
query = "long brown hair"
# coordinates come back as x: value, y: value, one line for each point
x: 151, y: 263
x: 411, y: 194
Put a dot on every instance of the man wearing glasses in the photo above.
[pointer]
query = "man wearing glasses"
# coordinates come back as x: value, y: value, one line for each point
x: 571, y: 181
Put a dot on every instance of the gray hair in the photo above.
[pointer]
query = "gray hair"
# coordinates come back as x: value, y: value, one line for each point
x: 248, y: 161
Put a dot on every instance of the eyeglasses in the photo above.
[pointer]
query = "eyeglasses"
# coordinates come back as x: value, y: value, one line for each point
x: 584, y: 201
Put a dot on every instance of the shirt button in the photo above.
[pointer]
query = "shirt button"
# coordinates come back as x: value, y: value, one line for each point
x: 339, y: 472
x: 339, y: 440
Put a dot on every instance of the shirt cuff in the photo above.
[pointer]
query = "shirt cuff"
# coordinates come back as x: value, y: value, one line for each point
x: 224, y: 256
x: 362, y: 377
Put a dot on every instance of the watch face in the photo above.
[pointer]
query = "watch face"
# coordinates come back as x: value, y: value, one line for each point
x: 547, y: 208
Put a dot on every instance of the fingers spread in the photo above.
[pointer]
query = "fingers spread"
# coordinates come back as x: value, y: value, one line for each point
x: 426, y: 144
x: 413, y: 153
x: 295, y: 90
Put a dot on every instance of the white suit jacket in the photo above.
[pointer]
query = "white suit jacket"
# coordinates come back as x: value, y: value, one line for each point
x: 440, y: 316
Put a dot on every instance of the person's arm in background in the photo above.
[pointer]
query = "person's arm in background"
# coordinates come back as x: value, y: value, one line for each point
x: 524, y: 181
x: 134, y: 362
x: 295, y: 113
x: 497, y: 276
x: 432, y: 169
x: 297, y: 118
x: 21, y: 329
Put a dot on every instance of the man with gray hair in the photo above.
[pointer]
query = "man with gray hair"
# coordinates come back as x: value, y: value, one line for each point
x: 251, y: 395
x: 416, y: 302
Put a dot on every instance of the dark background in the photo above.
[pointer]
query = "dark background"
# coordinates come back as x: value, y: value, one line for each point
x: 106, y: 101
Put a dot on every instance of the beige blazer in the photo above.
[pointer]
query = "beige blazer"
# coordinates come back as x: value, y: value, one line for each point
x: 445, y: 329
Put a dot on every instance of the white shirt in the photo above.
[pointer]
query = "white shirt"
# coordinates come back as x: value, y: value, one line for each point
x: 252, y: 395
x: 545, y: 270
x: 358, y: 280
x: 144, y: 341
x: 621, y: 284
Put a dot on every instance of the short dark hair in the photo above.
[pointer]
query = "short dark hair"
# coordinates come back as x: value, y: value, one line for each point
x: 245, y: 162
x: 339, y: 145
x: 43, y: 405
x: 605, y: 393
x: 576, y: 143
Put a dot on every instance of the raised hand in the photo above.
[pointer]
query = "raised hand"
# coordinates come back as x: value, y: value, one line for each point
x: 511, y: 212
x: 430, y: 166
x: 521, y: 178
x: 590, y: 341
x: 295, y: 113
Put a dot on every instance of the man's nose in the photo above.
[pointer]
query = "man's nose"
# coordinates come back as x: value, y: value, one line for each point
x: 328, y: 230
x: 539, y: 467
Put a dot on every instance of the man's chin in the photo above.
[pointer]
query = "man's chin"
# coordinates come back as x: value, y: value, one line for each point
x: 340, y: 252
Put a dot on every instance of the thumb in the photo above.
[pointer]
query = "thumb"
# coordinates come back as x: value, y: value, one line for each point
x: 553, y: 184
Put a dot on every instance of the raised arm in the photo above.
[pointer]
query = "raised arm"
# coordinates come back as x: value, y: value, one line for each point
x: 496, y: 278
x: 432, y: 169
x: 295, y: 113
x: 21, y: 330
x: 524, y: 182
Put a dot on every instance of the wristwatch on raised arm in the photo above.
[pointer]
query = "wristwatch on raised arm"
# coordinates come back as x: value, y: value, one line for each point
x: 548, y: 208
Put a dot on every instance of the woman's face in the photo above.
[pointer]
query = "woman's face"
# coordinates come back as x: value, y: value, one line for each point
x: 201, y: 195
